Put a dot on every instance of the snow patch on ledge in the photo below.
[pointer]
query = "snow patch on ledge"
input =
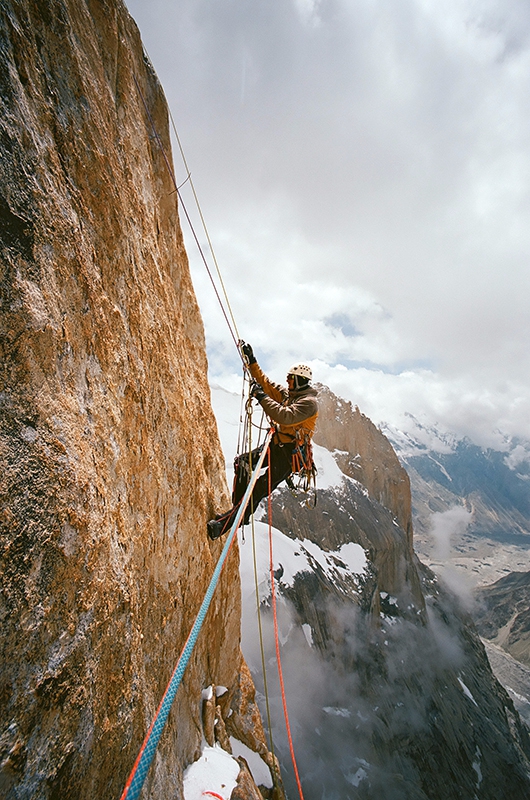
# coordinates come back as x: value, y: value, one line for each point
x: 214, y: 774
x: 329, y: 475
x: 336, y: 711
x: 308, y: 633
x: 260, y: 771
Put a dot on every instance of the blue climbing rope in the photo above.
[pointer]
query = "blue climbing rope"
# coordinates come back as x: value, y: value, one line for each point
x: 136, y: 779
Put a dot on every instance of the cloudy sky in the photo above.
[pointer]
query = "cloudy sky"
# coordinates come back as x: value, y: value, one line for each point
x: 364, y: 170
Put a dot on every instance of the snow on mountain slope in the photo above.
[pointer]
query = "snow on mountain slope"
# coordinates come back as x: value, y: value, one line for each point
x: 417, y: 439
x: 291, y: 557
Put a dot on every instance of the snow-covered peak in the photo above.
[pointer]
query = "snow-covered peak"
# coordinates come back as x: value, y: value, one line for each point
x: 414, y: 438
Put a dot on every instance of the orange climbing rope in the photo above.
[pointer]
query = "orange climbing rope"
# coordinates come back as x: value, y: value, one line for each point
x: 277, y: 638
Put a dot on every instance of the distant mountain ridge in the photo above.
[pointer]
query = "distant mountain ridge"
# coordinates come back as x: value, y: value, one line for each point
x: 493, y: 484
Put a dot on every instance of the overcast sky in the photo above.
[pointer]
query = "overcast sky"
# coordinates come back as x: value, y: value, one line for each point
x: 364, y: 171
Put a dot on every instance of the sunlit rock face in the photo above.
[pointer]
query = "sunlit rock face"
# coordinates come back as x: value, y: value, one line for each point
x: 110, y: 461
x: 390, y: 690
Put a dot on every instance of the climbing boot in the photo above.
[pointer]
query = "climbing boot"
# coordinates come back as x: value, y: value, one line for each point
x: 215, y: 528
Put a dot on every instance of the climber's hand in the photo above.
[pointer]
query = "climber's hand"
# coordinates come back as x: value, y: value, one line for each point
x: 256, y: 391
x: 247, y: 351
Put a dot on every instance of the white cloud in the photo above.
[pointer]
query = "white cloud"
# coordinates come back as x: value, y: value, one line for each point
x: 519, y: 455
x: 364, y: 171
x: 445, y: 525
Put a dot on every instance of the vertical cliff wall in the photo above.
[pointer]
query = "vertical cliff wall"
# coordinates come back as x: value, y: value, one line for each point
x: 110, y: 463
x: 363, y: 453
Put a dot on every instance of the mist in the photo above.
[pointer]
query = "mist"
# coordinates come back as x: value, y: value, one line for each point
x: 446, y: 529
x: 353, y: 706
x: 445, y: 525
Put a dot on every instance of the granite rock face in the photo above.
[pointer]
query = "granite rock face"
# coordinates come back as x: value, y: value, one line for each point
x: 110, y: 460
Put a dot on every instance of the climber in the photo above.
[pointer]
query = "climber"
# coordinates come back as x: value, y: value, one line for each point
x: 293, y: 410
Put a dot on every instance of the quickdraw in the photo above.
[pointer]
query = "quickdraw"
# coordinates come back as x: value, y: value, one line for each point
x: 304, y: 471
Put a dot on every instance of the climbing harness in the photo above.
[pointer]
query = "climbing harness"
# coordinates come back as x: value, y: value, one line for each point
x: 304, y: 472
x: 147, y: 751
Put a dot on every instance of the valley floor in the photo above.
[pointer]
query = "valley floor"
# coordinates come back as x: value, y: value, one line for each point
x: 477, y: 560
x: 471, y: 562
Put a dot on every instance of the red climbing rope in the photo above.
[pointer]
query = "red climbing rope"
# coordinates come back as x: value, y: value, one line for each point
x: 277, y: 638
x: 138, y: 774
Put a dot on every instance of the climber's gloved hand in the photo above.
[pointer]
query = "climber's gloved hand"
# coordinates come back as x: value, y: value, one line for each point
x: 247, y: 351
x: 256, y: 391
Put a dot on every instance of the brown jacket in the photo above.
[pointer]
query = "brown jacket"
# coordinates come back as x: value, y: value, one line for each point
x: 293, y: 412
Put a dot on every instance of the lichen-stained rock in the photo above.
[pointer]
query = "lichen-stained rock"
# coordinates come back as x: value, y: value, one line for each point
x: 110, y: 462
x: 208, y: 716
x: 244, y: 723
